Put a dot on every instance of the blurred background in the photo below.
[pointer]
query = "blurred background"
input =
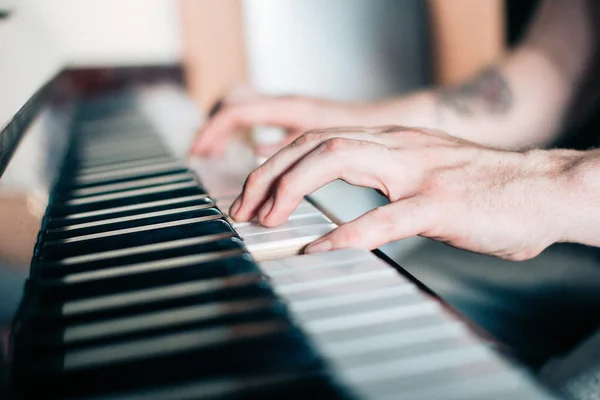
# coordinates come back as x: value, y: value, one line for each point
x: 341, y: 49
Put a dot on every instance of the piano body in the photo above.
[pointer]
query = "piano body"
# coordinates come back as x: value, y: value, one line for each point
x: 140, y: 287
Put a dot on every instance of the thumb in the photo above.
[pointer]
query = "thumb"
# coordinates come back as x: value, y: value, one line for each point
x: 395, y: 221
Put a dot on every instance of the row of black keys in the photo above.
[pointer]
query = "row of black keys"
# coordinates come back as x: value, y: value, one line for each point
x: 138, y: 281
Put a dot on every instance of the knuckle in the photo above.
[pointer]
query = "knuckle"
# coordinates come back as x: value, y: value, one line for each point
x: 254, y: 177
x: 335, y: 144
x: 308, y: 137
x: 382, y: 214
x: 284, y: 186
x: 384, y: 217
x: 390, y: 128
x: 349, y: 235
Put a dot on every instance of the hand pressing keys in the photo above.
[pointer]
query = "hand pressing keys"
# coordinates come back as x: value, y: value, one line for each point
x: 486, y: 200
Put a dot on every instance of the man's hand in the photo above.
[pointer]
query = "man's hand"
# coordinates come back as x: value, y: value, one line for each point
x: 243, y: 108
x: 486, y: 200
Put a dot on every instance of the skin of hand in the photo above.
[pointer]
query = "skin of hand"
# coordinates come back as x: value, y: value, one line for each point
x: 503, y: 203
x: 242, y: 108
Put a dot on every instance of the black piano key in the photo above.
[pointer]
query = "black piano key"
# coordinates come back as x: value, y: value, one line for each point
x: 161, y: 205
x: 123, y: 151
x: 50, y: 339
x: 138, y: 180
x: 115, y: 224
x: 270, y: 346
x: 130, y: 237
x: 148, y: 274
x: 301, y: 386
x: 127, y: 165
x: 124, y: 157
x: 61, y: 195
x: 219, y: 242
x: 93, y: 176
x: 314, y: 385
x: 123, y: 239
x: 122, y: 281
x: 131, y: 198
x: 49, y: 311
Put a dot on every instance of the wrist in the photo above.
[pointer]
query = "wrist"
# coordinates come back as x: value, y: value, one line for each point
x: 417, y: 109
x: 573, y: 193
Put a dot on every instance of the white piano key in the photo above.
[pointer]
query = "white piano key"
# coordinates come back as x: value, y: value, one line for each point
x: 358, y: 307
x: 386, y: 326
x: 293, y: 288
x: 130, y: 193
x: 528, y: 391
x: 303, y: 210
x: 273, y: 245
x: 158, y: 203
x: 370, y: 283
x: 138, y: 183
x: 225, y: 176
x: 410, y: 366
x: 468, y: 389
x: 346, y: 299
x: 404, y: 336
x: 318, y: 260
x: 394, y: 350
x: 294, y: 278
x: 254, y: 228
x: 319, y: 327
x: 442, y: 376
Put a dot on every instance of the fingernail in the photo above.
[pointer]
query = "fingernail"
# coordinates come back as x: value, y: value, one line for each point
x: 235, y: 207
x: 266, y: 209
x: 318, y: 247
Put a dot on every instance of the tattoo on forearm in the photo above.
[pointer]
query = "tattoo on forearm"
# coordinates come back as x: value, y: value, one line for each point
x: 488, y: 92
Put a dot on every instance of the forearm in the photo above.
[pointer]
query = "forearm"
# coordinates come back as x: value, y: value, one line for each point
x: 521, y: 101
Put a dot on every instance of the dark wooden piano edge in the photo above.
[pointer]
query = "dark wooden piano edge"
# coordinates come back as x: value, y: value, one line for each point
x: 72, y: 83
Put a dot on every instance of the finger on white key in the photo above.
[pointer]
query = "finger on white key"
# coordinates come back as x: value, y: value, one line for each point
x: 359, y: 163
x: 395, y: 221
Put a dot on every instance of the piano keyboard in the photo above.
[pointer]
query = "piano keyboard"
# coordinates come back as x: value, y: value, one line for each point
x: 141, y: 288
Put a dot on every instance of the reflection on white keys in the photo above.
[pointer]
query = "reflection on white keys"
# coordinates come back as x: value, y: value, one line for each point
x: 272, y: 245
x: 305, y: 209
x: 383, y: 337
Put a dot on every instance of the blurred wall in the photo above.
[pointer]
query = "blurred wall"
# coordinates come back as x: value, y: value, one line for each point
x: 345, y: 49
x: 42, y: 36
x: 28, y: 59
x: 111, y: 32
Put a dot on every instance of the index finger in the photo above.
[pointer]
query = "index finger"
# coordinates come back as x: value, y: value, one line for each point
x: 234, y: 117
